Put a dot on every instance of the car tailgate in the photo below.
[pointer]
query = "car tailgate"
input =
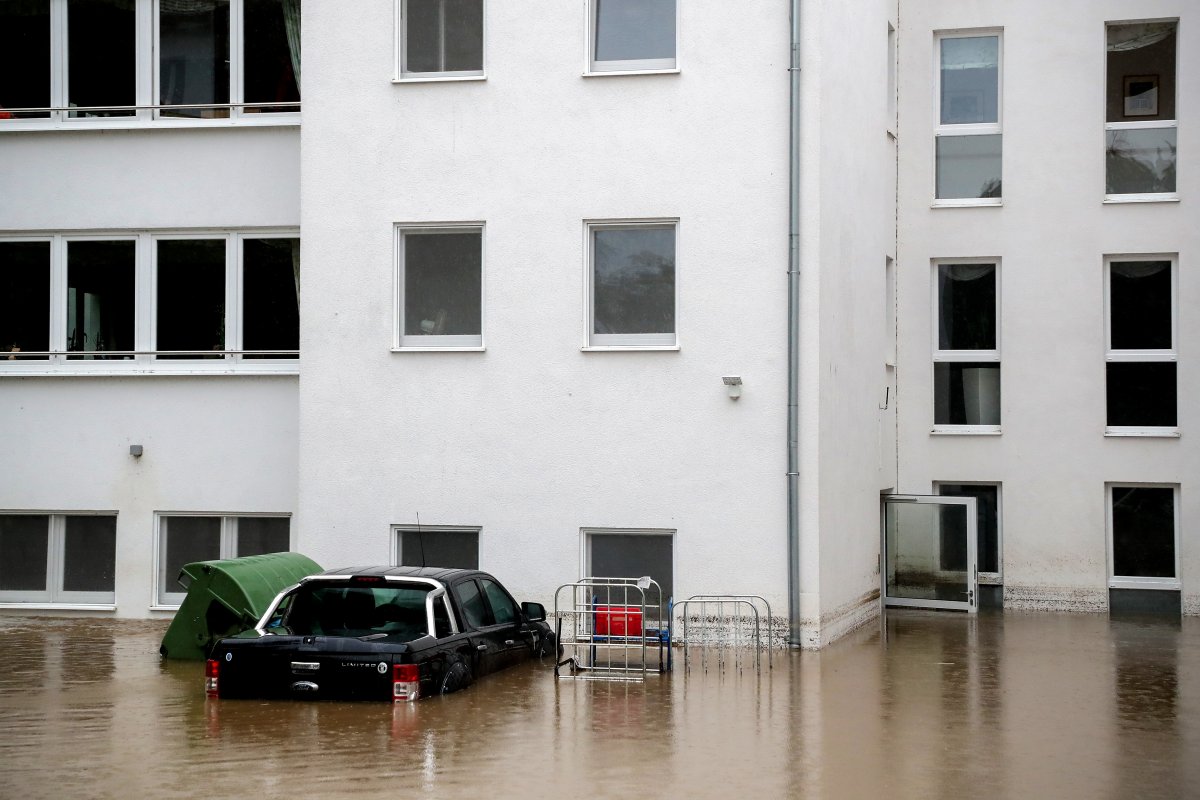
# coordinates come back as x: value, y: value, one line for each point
x: 312, y: 667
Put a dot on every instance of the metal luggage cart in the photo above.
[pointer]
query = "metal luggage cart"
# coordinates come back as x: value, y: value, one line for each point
x: 730, y: 627
x: 612, y: 628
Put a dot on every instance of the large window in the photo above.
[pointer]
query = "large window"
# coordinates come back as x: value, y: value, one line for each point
x: 439, y: 286
x: 185, y: 538
x: 1140, y: 118
x: 632, y: 35
x: 631, y: 284
x: 58, y: 558
x: 436, y: 546
x: 629, y: 553
x: 133, y: 301
x: 966, y: 356
x: 1141, y: 357
x: 1143, y: 526
x: 968, y: 133
x: 71, y: 61
x: 439, y: 39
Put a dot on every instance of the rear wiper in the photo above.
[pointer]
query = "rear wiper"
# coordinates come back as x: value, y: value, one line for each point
x: 372, y: 636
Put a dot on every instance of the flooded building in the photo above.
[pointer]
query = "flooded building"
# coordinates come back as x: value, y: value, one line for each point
x: 624, y: 287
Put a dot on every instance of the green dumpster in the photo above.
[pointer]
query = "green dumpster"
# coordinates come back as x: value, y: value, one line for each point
x: 227, y: 597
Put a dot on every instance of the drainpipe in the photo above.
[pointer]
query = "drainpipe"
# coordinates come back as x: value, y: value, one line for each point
x: 793, y: 349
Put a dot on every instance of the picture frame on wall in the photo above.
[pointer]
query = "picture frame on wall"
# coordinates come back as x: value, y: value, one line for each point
x: 1141, y: 95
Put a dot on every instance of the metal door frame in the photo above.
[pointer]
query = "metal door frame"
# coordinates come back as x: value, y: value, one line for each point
x: 971, y: 605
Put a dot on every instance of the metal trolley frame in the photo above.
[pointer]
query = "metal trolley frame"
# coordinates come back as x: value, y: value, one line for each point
x: 612, y: 628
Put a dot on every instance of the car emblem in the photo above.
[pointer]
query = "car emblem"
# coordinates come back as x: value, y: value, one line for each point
x: 229, y: 656
x: 382, y: 668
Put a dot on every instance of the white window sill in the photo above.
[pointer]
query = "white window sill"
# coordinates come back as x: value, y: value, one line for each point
x: 440, y: 79
x: 142, y: 370
x: 968, y: 202
x: 470, y: 349
x: 164, y: 608
x: 1118, y: 199
x: 965, y: 430
x: 61, y: 606
x: 1161, y: 584
x: 990, y: 579
x: 1145, y: 433
x: 131, y: 123
x: 611, y: 72
x: 666, y: 348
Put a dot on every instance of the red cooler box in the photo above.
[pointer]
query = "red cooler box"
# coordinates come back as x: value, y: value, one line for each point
x: 618, y: 621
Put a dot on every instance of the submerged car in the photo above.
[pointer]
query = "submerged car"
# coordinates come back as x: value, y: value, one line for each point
x: 381, y: 633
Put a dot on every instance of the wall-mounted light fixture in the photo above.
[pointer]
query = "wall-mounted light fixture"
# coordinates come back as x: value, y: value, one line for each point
x: 135, y: 450
x: 734, y: 382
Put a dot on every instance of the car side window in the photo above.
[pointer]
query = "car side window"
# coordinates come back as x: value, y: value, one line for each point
x: 503, y: 607
x: 471, y: 602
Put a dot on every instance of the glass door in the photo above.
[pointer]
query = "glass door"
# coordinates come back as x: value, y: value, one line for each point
x: 929, y: 558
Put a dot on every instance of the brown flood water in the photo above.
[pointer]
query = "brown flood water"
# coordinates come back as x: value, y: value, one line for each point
x: 920, y: 705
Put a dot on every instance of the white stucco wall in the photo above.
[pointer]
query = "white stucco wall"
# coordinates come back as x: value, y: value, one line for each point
x: 533, y: 439
x: 215, y: 444
x: 1051, y: 235
x: 848, y: 230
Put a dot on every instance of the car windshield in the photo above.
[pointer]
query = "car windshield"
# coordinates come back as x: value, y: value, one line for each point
x: 323, y: 609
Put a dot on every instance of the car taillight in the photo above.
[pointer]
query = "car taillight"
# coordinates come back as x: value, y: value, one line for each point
x: 212, y: 671
x: 406, y: 682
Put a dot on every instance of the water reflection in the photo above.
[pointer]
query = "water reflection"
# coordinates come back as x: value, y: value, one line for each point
x: 921, y: 705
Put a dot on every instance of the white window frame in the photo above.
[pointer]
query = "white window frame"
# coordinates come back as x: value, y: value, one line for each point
x: 436, y: 343
x: 164, y: 596
x: 1133, y: 582
x: 398, y: 531
x: 985, y: 578
x: 964, y: 356
x: 642, y: 66
x: 147, y: 81
x: 1168, y: 355
x: 967, y: 129
x: 55, y: 596
x: 145, y: 359
x: 1147, y: 197
x: 401, y: 37
x: 602, y: 342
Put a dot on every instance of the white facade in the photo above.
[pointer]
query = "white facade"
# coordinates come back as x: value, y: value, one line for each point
x: 538, y: 434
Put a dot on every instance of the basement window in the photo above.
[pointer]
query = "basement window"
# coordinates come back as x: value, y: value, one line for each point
x: 185, y: 538
x: 58, y: 558
x: 1143, y: 537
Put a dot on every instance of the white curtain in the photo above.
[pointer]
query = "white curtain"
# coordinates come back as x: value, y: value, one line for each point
x: 1138, y: 269
x: 967, y: 272
x: 1138, y: 35
x: 291, y: 23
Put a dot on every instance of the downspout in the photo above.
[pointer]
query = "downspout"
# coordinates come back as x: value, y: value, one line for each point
x: 793, y: 349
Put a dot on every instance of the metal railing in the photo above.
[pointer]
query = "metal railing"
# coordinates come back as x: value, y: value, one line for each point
x: 726, y: 626
x: 612, y: 629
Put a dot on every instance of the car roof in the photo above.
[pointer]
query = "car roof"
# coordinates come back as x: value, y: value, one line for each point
x: 441, y: 574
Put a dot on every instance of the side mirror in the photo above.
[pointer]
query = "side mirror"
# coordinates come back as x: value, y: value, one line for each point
x: 534, y: 612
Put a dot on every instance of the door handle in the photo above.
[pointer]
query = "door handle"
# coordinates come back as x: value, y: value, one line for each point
x: 481, y: 647
x: 509, y: 642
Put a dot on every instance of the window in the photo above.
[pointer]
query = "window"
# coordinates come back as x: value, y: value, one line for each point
x: 185, y: 538
x: 987, y: 527
x: 439, y: 286
x: 504, y: 610
x: 1141, y: 356
x: 439, y: 39
x: 1143, y: 529
x: 58, y: 558
x: 632, y: 35
x: 106, y: 62
x: 631, y: 284
x: 968, y: 133
x: 966, y: 355
x: 629, y: 553
x: 1140, y: 118
x: 436, y: 546
x: 75, y: 303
